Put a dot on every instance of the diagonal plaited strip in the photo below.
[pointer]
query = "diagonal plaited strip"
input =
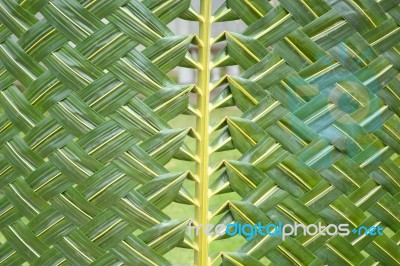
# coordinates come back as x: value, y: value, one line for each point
x: 319, y: 134
x: 84, y: 134
x: 85, y: 137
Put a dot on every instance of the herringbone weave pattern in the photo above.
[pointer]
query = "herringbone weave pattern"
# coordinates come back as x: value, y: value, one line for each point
x: 78, y: 143
x: 324, y: 103
x: 84, y: 131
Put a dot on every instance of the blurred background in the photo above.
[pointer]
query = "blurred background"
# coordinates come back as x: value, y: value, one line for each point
x: 180, y: 26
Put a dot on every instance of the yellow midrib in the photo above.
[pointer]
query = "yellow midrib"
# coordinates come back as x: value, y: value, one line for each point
x: 202, y: 127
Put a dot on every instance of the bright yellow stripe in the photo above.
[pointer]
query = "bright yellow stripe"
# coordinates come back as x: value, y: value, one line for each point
x: 89, y: 126
x: 267, y: 110
x: 106, y: 230
x: 247, y: 219
x: 349, y: 94
x: 140, y: 210
x: 235, y: 262
x: 166, y: 144
x: 106, y: 187
x: 268, y: 70
x: 141, y: 164
x: 266, y: 195
x: 244, y: 47
x: 107, y: 141
x: 342, y: 214
x: 23, y: 241
x: 272, y: 149
x: 165, y: 235
x: 165, y: 53
x: 161, y: 6
x: 105, y: 46
x: 5, y: 170
x: 139, y: 254
x: 72, y: 21
x: 213, y: 107
x: 77, y: 249
x: 8, y: 124
x: 73, y: 70
x: 273, y: 26
x: 77, y: 166
x: 13, y: 17
x: 289, y: 255
x: 380, y: 167
x: 320, y: 113
x: 21, y: 158
x: 309, y: 8
x: 18, y: 64
x: 248, y: 181
x: 48, y: 181
x: 317, y: 197
x: 353, y: 52
x: 346, y: 175
x: 370, y: 159
x: 298, y: 50
x: 90, y: 3
x: 45, y: 92
x: 388, y: 253
x: 165, y: 187
x: 243, y: 90
x: 242, y: 132
x: 140, y: 22
x: 38, y: 41
x: 339, y: 254
x: 328, y: 30
x: 290, y: 214
x: 173, y: 98
x: 44, y: 139
x: 76, y: 207
x: 23, y: 199
x: 323, y: 71
x: 362, y: 11
x: 141, y: 73
x: 253, y: 8
x: 130, y: 111
x: 48, y: 228
x: 3, y: 260
x: 280, y: 124
x: 293, y: 174
x: 106, y: 94
x: 391, y: 214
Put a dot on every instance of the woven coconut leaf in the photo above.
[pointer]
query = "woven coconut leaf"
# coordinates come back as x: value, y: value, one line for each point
x: 95, y: 171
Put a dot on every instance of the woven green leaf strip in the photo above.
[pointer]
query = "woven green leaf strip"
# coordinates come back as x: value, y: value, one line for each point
x: 319, y: 133
x: 87, y: 135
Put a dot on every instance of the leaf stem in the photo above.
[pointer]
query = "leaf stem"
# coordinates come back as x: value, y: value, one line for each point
x: 202, y: 125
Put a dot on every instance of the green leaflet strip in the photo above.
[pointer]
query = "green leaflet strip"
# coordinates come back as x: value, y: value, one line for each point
x: 107, y: 158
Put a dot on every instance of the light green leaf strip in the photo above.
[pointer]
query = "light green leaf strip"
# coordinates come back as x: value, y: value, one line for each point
x: 105, y: 157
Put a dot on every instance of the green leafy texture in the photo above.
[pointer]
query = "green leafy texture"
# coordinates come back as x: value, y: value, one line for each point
x: 86, y: 143
x: 318, y: 131
x: 84, y: 136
